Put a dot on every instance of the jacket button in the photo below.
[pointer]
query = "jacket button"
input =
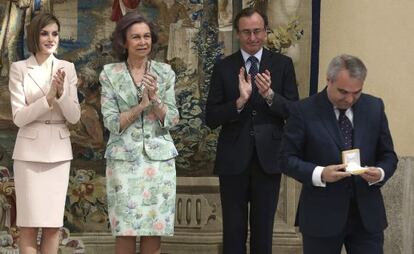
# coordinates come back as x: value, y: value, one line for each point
x: 251, y: 133
x: 254, y: 112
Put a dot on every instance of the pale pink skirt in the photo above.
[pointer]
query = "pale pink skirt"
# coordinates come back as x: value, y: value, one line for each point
x: 40, y: 193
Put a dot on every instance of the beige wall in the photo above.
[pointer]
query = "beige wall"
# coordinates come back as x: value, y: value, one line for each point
x: 381, y: 33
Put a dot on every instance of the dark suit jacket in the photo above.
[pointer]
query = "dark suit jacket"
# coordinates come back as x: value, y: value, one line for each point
x: 235, y: 146
x: 312, y: 138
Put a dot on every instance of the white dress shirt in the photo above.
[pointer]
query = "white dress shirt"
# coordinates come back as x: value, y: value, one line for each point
x: 317, y: 172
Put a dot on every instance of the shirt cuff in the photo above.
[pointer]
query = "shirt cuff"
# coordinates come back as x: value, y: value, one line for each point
x: 269, y: 98
x: 317, y: 177
x: 62, y: 96
x: 381, y: 178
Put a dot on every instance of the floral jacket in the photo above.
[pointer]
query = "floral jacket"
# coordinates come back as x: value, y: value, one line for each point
x: 147, y: 134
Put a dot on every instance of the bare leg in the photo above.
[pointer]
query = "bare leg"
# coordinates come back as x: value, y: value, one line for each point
x: 125, y: 245
x: 28, y: 240
x: 150, y: 245
x: 50, y: 240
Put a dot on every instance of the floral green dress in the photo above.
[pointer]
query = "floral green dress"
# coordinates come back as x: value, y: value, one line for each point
x: 140, y: 170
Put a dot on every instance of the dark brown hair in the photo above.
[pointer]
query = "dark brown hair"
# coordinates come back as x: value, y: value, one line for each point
x: 36, y: 25
x: 119, y: 35
x: 248, y: 12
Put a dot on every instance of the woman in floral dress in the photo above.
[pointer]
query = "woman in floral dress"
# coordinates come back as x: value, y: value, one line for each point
x: 138, y: 107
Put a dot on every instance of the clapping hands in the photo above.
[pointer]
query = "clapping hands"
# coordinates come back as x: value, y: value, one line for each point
x: 57, y: 86
x: 145, y: 100
x: 150, y: 83
x: 263, y: 82
x: 245, y: 88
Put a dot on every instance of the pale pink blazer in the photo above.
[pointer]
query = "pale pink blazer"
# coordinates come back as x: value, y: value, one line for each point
x: 37, y: 141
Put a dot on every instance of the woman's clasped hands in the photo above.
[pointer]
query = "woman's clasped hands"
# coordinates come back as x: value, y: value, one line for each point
x: 150, y: 91
x: 56, y: 87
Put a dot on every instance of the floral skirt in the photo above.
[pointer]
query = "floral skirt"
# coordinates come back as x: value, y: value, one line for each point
x: 141, y: 197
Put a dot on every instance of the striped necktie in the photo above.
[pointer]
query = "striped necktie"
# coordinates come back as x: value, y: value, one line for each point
x: 253, y: 71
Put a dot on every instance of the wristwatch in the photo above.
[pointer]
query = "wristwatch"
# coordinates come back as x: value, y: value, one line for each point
x: 269, y: 97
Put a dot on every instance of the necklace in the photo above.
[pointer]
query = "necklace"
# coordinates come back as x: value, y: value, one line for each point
x: 138, y: 85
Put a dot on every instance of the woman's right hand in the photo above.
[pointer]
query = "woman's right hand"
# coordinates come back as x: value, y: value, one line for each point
x: 128, y: 117
x: 145, y: 101
x: 51, y: 95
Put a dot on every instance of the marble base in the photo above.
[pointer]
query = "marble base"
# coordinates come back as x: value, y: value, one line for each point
x: 198, y: 225
x: 198, y: 217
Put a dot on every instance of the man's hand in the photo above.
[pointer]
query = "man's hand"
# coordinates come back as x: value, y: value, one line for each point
x: 245, y: 88
x: 334, y: 173
x: 372, y: 175
x: 263, y: 82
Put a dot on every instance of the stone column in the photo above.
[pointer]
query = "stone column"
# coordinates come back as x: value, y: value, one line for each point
x: 180, y: 44
x: 280, y: 12
x: 398, y: 195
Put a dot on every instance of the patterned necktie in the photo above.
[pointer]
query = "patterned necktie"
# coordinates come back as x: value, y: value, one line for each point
x: 253, y: 70
x: 346, y: 128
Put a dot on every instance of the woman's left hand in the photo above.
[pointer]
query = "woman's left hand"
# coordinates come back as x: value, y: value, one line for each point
x: 58, y: 81
x: 150, y: 82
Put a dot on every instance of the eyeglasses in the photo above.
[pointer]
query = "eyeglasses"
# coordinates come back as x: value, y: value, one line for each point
x: 255, y: 32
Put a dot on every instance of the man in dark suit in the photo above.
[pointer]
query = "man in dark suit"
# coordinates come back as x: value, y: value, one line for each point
x: 335, y: 206
x: 249, y: 95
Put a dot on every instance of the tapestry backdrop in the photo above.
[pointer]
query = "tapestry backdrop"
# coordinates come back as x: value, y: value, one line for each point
x: 193, y: 34
x: 188, y: 41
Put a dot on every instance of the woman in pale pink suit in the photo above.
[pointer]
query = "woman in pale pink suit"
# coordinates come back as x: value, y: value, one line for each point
x: 43, y: 98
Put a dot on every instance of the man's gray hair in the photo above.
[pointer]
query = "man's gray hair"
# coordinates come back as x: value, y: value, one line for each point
x: 352, y: 64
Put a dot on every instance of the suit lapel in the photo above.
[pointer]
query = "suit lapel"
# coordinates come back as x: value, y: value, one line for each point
x: 328, y: 118
x: 359, y: 115
x: 56, y: 65
x: 34, y: 74
x: 238, y: 63
x: 37, y: 76
x: 264, y: 62
x: 123, y: 83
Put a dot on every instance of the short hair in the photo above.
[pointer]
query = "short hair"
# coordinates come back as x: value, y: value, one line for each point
x: 352, y: 64
x: 119, y: 35
x: 36, y: 25
x: 248, y: 12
